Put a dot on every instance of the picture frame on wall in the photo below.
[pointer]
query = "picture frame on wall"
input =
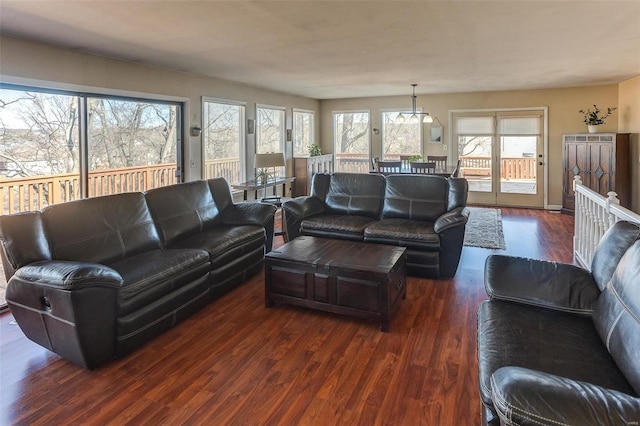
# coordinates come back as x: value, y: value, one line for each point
x: 436, y: 134
x: 436, y: 131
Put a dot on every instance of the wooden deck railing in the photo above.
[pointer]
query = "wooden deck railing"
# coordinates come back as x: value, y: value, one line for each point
x: 512, y: 167
x: 36, y: 192
x: 353, y: 163
x: 522, y: 168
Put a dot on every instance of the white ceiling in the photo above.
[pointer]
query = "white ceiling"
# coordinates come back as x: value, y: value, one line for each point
x: 342, y: 49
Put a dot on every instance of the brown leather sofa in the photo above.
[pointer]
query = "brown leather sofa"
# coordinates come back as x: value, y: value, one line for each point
x: 560, y: 345
x: 425, y: 214
x: 95, y: 278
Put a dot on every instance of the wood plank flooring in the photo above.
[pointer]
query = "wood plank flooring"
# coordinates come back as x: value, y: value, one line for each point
x: 236, y: 362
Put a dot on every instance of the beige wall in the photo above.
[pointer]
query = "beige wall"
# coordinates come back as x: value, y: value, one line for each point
x: 563, y: 106
x: 629, y: 122
x: 24, y: 62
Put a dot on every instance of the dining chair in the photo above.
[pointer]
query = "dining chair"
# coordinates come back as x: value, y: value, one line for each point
x: 389, y: 166
x: 404, y: 159
x: 374, y: 163
x: 440, y: 160
x: 422, y: 168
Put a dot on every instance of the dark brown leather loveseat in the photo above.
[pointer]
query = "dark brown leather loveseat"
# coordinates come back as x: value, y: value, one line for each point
x: 425, y: 214
x: 559, y: 345
x: 95, y: 278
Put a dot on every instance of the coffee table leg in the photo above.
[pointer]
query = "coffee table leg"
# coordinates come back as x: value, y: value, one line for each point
x: 384, y: 323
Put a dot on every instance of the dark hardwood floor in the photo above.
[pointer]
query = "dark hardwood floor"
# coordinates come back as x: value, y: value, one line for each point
x: 236, y: 362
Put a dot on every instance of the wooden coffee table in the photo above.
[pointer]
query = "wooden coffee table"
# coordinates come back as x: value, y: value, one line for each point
x: 352, y: 278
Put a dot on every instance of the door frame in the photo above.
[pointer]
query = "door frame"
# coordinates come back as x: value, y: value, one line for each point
x: 545, y: 140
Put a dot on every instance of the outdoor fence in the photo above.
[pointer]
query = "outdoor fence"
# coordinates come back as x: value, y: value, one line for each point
x: 594, y: 214
x: 36, y: 192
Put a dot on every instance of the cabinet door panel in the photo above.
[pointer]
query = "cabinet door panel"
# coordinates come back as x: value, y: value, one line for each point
x: 600, y: 167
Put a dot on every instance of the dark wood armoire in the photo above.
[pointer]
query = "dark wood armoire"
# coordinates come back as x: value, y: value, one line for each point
x: 602, y: 160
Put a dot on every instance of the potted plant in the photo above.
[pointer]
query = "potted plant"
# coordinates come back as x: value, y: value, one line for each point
x: 314, y: 150
x: 594, y: 118
x: 415, y: 158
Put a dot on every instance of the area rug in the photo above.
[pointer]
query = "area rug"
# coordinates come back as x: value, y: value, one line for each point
x: 484, y: 229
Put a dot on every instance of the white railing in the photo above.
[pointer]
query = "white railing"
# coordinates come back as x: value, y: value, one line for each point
x: 594, y: 214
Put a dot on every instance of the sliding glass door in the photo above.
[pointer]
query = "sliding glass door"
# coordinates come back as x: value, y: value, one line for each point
x: 60, y: 146
x: 501, y: 155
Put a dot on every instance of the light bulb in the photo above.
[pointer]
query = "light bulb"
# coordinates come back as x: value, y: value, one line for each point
x: 414, y: 119
x: 400, y: 118
x: 427, y: 119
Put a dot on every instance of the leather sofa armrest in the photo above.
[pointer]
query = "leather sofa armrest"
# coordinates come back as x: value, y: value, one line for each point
x: 260, y: 214
x: 552, y: 285
x: 298, y: 209
x: 249, y: 214
x: 69, y: 275
x: 68, y: 307
x: 527, y: 397
x: 456, y: 217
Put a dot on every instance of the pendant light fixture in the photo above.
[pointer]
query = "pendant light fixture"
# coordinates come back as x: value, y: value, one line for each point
x: 415, y: 116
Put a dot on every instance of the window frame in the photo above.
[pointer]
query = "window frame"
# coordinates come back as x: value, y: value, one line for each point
x: 401, y: 111
x: 243, y: 134
x: 312, y: 131
x: 83, y: 96
x: 283, y: 126
x: 333, y: 125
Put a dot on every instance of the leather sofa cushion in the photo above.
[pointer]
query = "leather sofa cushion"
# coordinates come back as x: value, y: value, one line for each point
x: 342, y: 224
x: 564, y: 344
x: 183, y: 210
x: 415, y: 197
x: 356, y: 194
x: 151, y: 275
x: 225, y: 243
x: 617, y: 315
x: 404, y: 232
x: 101, y: 229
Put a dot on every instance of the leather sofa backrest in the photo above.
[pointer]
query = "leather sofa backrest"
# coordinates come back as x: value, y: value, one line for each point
x: 617, y: 315
x: 23, y: 240
x: 419, y: 197
x: 612, y: 246
x: 356, y: 194
x: 458, y: 191
x: 320, y: 185
x: 182, y: 210
x: 221, y: 192
x: 100, y: 229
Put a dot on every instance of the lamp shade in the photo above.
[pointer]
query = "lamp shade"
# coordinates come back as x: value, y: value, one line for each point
x: 271, y: 159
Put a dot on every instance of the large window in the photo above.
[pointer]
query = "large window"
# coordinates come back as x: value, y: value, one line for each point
x: 131, y: 145
x: 400, y: 138
x: 223, y: 139
x: 269, y: 129
x: 61, y: 146
x: 303, y: 132
x: 351, y: 141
